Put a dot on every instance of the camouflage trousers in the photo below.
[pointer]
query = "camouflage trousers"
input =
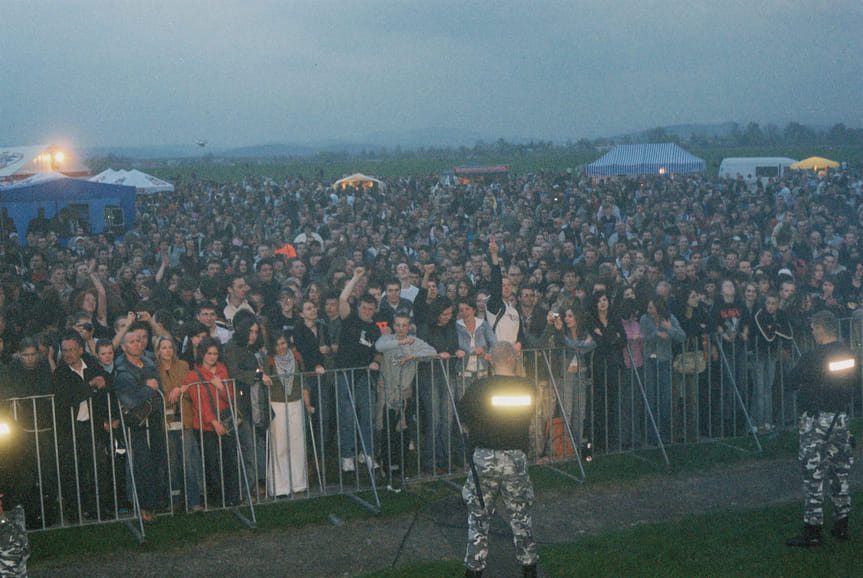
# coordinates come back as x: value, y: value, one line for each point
x: 825, y: 459
x: 501, y: 473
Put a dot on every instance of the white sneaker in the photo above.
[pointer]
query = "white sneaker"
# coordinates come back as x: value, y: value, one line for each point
x: 348, y: 465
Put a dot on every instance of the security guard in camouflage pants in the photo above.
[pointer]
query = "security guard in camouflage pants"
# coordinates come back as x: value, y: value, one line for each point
x: 824, y: 379
x: 496, y: 413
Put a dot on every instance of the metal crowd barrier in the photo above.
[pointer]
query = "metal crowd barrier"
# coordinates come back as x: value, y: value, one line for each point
x: 365, y: 435
x: 65, y: 468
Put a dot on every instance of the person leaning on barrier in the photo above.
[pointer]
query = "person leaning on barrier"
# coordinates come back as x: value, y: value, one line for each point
x: 212, y: 392
x: 315, y: 344
x: 184, y: 453
x: 110, y: 438
x: 136, y: 381
x: 432, y: 386
x: 475, y: 338
x: 496, y: 414
x: 244, y: 368
x: 567, y: 332
x: 824, y: 379
x: 286, y: 466
x: 27, y: 375
x: 356, y: 350
x: 395, y: 401
x: 80, y: 402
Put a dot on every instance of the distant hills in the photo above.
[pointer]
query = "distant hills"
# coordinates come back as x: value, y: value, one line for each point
x: 440, y: 137
x: 686, y: 130
x: 409, y: 140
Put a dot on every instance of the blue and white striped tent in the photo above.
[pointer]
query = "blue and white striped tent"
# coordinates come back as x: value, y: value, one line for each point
x: 645, y: 159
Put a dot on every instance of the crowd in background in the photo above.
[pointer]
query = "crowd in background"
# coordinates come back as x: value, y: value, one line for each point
x: 257, y: 281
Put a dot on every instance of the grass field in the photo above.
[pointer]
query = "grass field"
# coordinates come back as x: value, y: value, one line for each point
x: 748, y: 543
x: 172, y: 531
x: 558, y: 159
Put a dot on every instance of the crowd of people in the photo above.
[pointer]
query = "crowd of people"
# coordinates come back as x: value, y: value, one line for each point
x: 222, y: 295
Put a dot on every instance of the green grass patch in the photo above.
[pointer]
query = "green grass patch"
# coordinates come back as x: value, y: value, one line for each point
x: 683, y: 459
x: 335, y: 166
x: 748, y: 543
x: 171, y: 532
x: 180, y: 530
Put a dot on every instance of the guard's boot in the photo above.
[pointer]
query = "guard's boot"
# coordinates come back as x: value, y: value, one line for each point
x: 840, y: 529
x: 529, y: 571
x: 472, y: 573
x: 811, y: 537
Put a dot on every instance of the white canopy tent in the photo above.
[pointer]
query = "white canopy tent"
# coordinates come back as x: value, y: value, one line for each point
x: 37, y: 179
x: 106, y: 176
x: 142, y: 182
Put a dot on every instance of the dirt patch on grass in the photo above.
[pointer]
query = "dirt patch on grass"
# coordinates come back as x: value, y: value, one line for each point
x: 439, y: 532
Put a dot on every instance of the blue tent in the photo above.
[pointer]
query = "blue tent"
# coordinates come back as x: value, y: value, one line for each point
x: 98, y: 207
x: 645, y: 159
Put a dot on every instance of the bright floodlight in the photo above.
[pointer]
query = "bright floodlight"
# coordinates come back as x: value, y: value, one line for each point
x: 510, y: 400
x: 59, y: 156
x: 4, y: 428
x: 840, y: 365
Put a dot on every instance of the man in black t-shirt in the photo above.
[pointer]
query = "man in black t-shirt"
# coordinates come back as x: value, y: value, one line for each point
x: 731, y: 320
x: 281, y: 316
x: 358, y: 358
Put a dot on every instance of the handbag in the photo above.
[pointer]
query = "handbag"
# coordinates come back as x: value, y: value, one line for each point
x: 138, y: 416
x: 262, y: 413
x: 689, y: 363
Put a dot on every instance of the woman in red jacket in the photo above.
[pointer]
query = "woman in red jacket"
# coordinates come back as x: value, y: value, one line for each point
x: 212, y: 394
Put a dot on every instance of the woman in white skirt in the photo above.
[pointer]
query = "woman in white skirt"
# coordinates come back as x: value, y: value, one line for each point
x: 286, y: 471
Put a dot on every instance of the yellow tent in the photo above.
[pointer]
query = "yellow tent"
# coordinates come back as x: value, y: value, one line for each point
x: 815, y: 163
x: 357, y: 181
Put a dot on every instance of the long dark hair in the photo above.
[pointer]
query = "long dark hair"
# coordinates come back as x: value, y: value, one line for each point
x: 437, y: 307
x: 241, y: 333
x: 580, y: 327
x: 594, y: 302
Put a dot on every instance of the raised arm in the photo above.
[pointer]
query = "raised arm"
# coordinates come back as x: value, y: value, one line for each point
x: 495, y: 304
x: 160, y: 274
x: 118, y: 338
x: 101, y: 295
x: 344, y: 303
x: 428, y: 269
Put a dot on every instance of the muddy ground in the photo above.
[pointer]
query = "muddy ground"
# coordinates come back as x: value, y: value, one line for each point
x: 362, y: 546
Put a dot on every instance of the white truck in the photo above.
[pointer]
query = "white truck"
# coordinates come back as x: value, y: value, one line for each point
x: 754, y: 168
